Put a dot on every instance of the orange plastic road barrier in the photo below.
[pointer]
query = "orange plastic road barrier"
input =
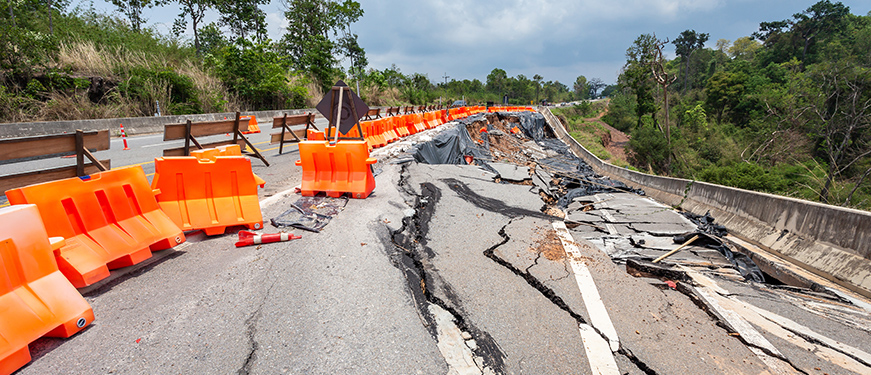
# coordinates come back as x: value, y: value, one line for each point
x: 429, y: 120
x: 208, y: 194
x: 252, y: 125
x: 442, y: 117
x: 109, y: 220
x: 336, y: 169
x: 393, y: 128
x: 378, y: 132
x: 417, y: 120
x: 408, y: 124
x: 315, y: 135
x: 36, y: 299
x: 367, y: 133
x: 210, y: 154
x: 398, y: 125
x: 388, y: 129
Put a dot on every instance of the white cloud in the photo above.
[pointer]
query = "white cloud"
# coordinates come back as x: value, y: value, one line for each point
x: 276, y: 24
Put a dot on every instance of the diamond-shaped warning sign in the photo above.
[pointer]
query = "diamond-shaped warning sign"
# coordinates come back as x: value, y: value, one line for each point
x: 347, y: 118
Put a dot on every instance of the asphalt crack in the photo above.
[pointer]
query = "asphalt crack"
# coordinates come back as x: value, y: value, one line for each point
x: 415, y: 253
x: 412, y: 256
x: 251, y: 329
x: 557, y: 300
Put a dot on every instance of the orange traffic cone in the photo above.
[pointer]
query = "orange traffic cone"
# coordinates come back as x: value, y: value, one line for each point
x: 124, y: 137
x: 247, y: 238
x: 252, y: 125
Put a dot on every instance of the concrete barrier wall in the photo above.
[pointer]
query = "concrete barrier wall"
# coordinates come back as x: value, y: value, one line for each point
x: 834, y: 242
x: 132, y: 125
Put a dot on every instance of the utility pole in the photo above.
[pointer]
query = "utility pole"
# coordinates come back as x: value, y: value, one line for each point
x: 446, y: 78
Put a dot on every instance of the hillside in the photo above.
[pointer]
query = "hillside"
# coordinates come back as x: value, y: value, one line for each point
x: 785, y: 111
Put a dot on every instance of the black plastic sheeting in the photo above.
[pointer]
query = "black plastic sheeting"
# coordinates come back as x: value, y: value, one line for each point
x: 576, y: 177
x: 741, y: 262
x: 449, y: 147
x: 706, y: 223
x: 534, y: 126
x: 310, y: 213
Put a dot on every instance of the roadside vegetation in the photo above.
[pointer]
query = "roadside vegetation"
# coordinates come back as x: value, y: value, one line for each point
x: 584, y: 124
x: 62, y: 63
x: 786, y: 110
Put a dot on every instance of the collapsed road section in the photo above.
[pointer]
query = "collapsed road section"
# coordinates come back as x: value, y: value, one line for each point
x: 615, y: 226
x: 486, y: 247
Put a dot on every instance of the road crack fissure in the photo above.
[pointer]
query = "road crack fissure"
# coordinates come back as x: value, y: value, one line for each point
x: 412, y: 256
x: 251, y: 329
x: 557, y: 300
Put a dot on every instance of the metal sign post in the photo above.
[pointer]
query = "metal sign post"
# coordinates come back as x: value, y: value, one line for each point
x: 344, y: 109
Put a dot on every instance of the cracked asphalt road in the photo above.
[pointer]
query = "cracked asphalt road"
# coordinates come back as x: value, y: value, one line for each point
x: 440, y: 271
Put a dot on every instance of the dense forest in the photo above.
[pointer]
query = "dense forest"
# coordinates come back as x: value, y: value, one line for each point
x: 785, y: 110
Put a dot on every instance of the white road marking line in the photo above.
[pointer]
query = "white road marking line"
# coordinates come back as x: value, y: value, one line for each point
x: 598, y: 353
x: 771, y: 356
x: 810, y: 335
x: 592, y: 301
x: 610, y: 219
x: 164, y: 145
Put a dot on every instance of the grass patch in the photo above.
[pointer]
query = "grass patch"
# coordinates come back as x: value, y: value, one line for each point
x: 592, y: 143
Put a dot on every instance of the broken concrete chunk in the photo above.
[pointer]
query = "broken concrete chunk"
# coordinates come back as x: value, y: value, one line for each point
x: 584, y: 217
x: 511, y: 172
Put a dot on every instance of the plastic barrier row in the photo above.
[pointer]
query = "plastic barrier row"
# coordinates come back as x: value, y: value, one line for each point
x: 510, y: 109
x: 386, y: 130
x: 345, y: 166
x: 66, y: 234
x: 109, y: 220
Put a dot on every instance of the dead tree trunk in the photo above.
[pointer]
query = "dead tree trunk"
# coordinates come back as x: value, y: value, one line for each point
x: 663, y: 79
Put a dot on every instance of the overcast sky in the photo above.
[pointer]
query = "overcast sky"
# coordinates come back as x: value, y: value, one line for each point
x: 558, y: 39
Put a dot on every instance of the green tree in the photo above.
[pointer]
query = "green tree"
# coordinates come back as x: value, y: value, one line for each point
x: 685, y: 44
x: 723, y: 45
x: 317, y: 32
x: 636, y: 75
x: 132, y: 9
x: 194, y: 10
x: 243, y: 18
x: 816, y: 21
x: 744, y: 48
x: 537, y: 79
x: 724, y: 91
x: 255, y: 73
x: 212, y: 39
x: 497, y: 81
x: 582, y: 90
x: 595, y: 85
